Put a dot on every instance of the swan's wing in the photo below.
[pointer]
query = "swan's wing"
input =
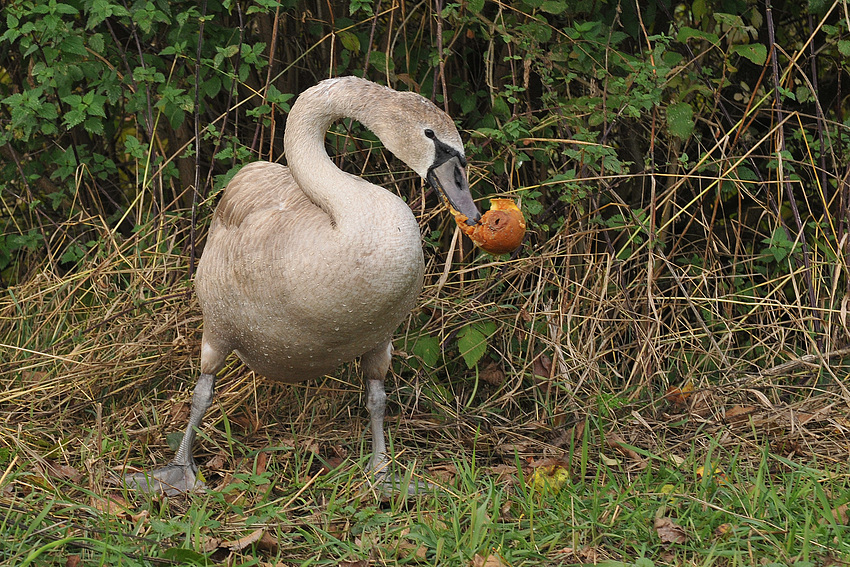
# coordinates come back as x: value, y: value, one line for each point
x: 261, y: 189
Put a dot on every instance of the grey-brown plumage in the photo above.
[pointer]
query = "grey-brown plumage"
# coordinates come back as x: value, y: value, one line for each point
x: 307, y: 267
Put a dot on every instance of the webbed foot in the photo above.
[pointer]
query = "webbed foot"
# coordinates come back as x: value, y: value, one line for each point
x: 171, y: 480
x: 180, y: 475
x: 389, y: 483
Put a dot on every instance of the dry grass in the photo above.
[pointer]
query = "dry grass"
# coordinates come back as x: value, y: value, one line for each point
x: 670, y: 361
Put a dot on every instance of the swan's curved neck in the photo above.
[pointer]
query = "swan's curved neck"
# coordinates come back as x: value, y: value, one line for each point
x: 304, y: 141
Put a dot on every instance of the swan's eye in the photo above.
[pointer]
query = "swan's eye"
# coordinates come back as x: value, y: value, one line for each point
x: 430, y: 133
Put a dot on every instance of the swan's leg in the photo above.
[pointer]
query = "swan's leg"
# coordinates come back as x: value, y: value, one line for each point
x: 180, y: 474
x: 375, y: 365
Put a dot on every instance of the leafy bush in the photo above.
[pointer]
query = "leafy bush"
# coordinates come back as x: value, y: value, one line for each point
x: 671, y: 137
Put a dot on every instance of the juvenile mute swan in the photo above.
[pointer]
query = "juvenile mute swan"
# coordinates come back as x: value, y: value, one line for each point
x: 308, y: 267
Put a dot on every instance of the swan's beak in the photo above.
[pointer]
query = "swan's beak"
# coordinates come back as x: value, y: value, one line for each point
x: 449, y: 180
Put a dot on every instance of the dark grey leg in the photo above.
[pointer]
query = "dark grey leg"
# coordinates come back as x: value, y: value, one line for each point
x: 375, y: 365
x: 180, y: 474
x: 377, y: 404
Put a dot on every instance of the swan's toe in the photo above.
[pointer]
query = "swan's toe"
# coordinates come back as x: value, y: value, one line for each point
x: 170, y: 480
x: 389, y: 483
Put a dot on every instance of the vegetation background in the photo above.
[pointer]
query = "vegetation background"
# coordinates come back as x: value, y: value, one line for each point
x: 658, y: 376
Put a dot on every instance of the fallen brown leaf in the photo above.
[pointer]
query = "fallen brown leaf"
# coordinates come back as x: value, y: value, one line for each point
x: 245, y: 541
x: 503, y: 472
x: 488, y: 561
x: 443, y: 473
x: 262, y: 461
x: 34, y: 377
x: 268, y: 543
x: 493, y: 374
x: 410, y: 549
x: 571, y: 436
x: 616, y: 442
x: 841, y: 515
x: 309, y: 445
x: 110, y: 505
x: 247, y: 421
x: 547, y: 462
x: 331, y: 463
x: 216, y: 463
x: 702, y: 403
x: 179, y: 412
x: 787, y: 447
x: 739, y: 413
x: 64, y: 472
x: 669, y: 531
x: 208, y: 544
x: 584, y: 555
x: 679, y: 396
x: 558, y: 417
x: 542, y: 369
x: 510, y: 449
x: 72, y: 561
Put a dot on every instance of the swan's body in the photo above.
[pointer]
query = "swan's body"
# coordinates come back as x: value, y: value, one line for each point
x: 294, y: 296
x: 308, y: 267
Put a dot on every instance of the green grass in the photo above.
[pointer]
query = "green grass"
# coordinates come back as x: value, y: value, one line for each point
x: 769, y: 510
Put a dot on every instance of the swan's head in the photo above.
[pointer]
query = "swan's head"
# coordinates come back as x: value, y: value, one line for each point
x: 426, y: 139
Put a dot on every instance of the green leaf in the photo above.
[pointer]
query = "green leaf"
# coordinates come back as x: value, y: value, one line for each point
x: 687, y: 33
x: 185, y: 556
x: 73, y: 44
x: 73, y: 253
x: 58, y: 8
x: 554, y: 6
x: 680, y: 119
x: 844, y: 47
x: 74, y: 117
x: 380, y: 61
x: 755, y: 52
x: 428, y: 349
x: 475, y: 6
x: 538, y: 31
x: 349, y: 41
x: 699, y: 9
x: 173, y: 439
x: 472, y: 345
x: 472, y: 341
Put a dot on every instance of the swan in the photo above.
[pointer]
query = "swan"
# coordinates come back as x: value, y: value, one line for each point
x: 307, y: 267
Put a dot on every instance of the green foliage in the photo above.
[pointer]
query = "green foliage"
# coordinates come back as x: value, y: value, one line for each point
x: 552, y: 93
x: 10, y: 244
x: 779, y: 246
x: 427, y: 349
x: 646, y: 130
x: 472, y: 341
